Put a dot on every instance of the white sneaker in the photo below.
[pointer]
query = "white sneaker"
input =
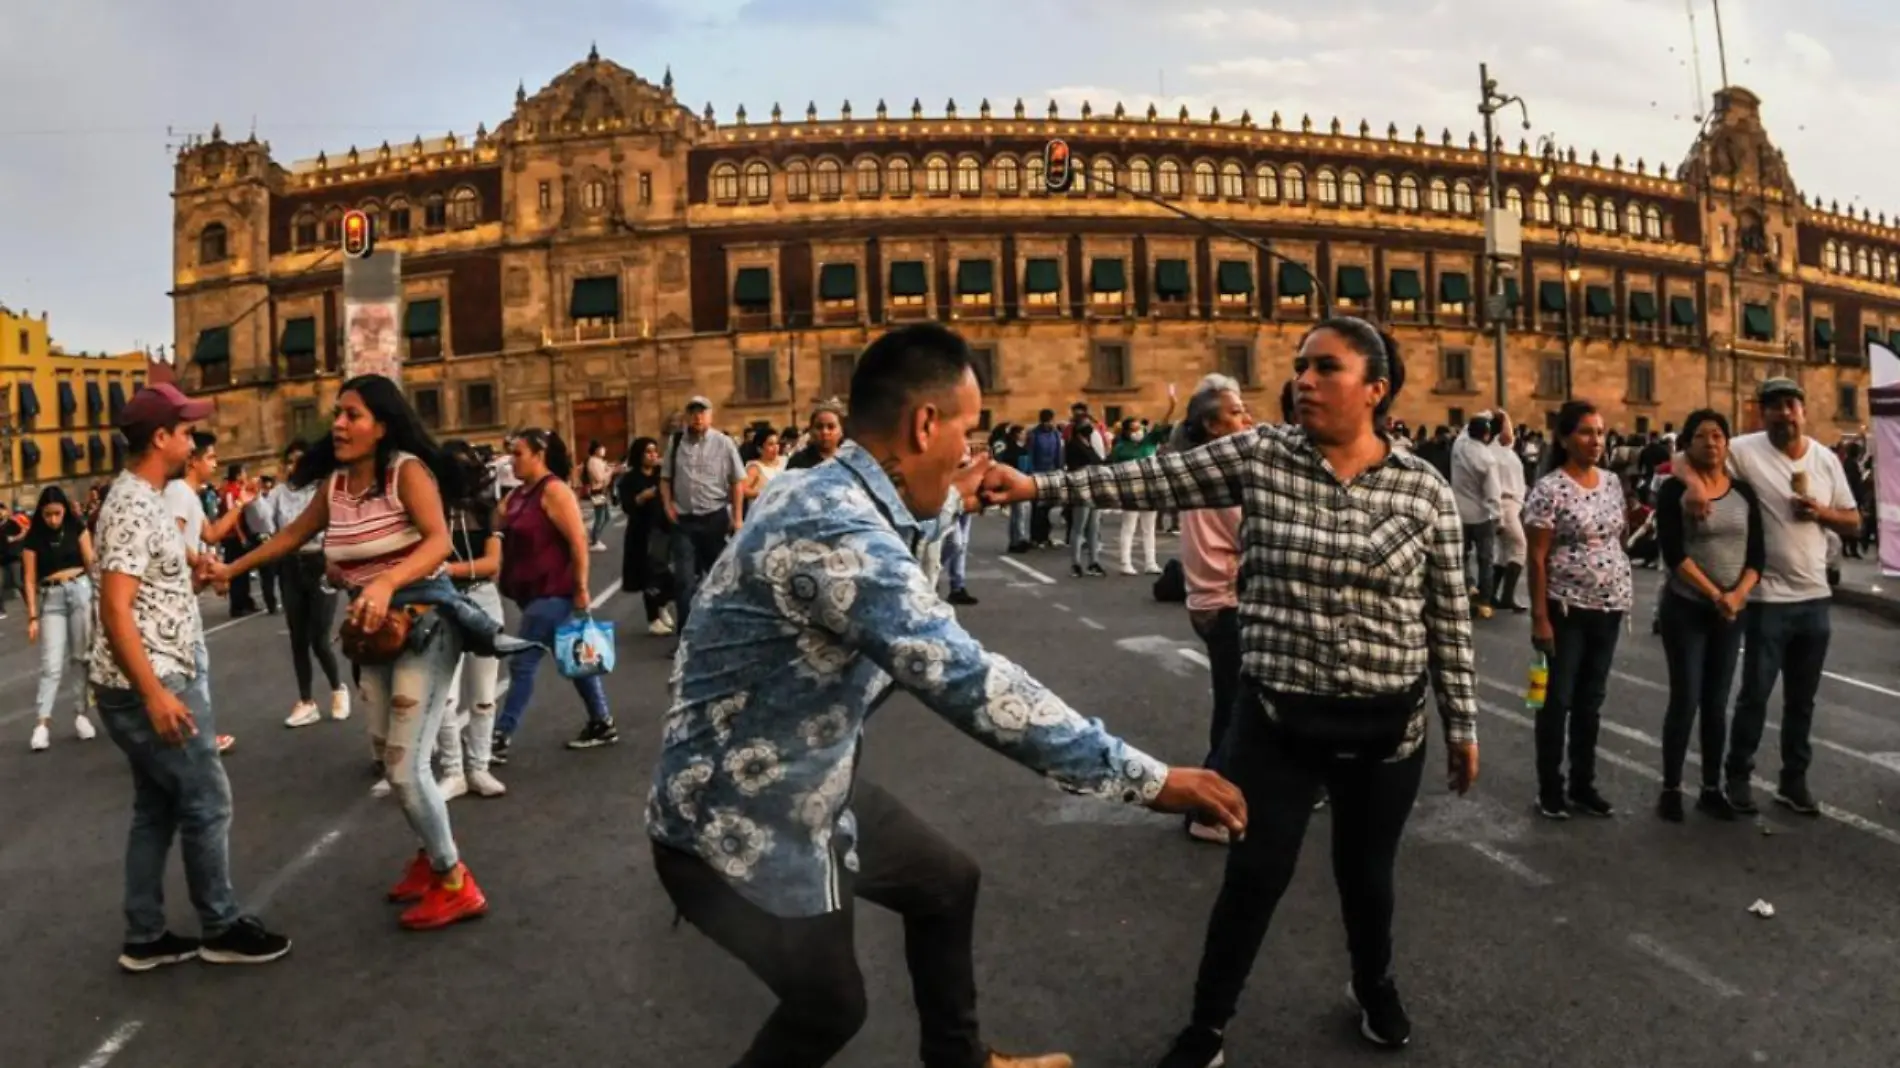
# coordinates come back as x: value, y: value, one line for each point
x: 303, y: 714
x: 41, y: 737
x: 1154, y: 569
x: 668, y: 616
x: 599, y: 547
x: 340, y: 704
x: 659, y: 628
x: 1129, y: 571
x: 484, y: 783
x: 381, y: 789
x: 452, y: 787
x: 83, y: 727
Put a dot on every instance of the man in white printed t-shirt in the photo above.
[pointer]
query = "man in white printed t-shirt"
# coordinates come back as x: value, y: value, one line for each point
x: 1803, y: 494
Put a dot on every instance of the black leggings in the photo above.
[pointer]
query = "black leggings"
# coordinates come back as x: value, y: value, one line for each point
x: 641, y: 569
x: 311, y: 614
x: 1281, y: 778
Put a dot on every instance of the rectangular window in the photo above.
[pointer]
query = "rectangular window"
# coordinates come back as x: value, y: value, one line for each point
x: 646, y: 187
x: 1109, y: 367
x: 975, y: 283
x: 398, y: 222
x: 1042, y: 283
x: 752, y: 290
x: 428, y: 402
x: 1236, y: 362
x: 1233, y: 282
x: 478, y: 405
x: 1455, y: 417
x: 1172, y: 284
x: 909, y: 284
x: 1550, y: 377
x: 757, y: 378
x: 422, y: 326
x: 983, y: 362
x: 1112, y: 418
x: 1108, y: 284
x: 545, y: 196
x: 305, y: 425
x: 435, y: 213
x: 1454, y: 370
x: 1642, y: 382
x: 838, y: 287
x: 1847, y: 403
x: 838, y: 370
x: 26, y: 342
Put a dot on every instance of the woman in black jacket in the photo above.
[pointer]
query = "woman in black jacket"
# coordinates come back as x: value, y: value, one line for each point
x: 643, y: 552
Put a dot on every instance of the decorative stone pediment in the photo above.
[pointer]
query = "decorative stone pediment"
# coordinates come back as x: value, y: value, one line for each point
x: 597, y: 96
x: 1735, y: 148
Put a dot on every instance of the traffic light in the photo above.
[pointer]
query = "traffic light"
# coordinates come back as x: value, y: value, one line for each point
x: 1057, y: 166
x: 359, y: 234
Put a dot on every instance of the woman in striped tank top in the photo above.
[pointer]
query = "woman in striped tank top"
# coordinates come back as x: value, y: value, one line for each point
x: 381, y: 515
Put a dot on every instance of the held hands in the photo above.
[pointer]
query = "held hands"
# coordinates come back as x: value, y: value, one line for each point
x: 371, y: 606
x: 170, y: 719
x: 1462, y: 767
x: 1731, y: 604
x: 1205, y: 793
x: 1003, y: 484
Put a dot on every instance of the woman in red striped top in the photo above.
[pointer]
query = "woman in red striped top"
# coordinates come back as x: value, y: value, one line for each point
x: 386, y: 534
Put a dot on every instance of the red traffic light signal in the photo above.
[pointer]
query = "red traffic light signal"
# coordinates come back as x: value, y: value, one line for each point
x: 359, y: 234
x: 1058, y: 166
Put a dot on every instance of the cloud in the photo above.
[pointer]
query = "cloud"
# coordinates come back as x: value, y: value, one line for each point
x: 815, y: 12
x: 1245, y: 24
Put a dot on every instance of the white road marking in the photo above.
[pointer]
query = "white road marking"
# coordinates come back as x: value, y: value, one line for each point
x: 1195, y: 656
x: 227, y: 624
x: 1027, y: 570
x: 1060, y: 607
x: 114, y: 1043
x: 607, y: 594
x: 1158, y: 646
x: 1862, y: 685
x: 1683, y: 964
x: 1091, y: 624
x: 1510, y: 863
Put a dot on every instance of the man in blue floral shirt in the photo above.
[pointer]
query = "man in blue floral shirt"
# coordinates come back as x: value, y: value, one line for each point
x: 762, y: 833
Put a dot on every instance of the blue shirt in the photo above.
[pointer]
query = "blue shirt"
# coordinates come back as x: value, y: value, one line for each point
x: 798, y: 633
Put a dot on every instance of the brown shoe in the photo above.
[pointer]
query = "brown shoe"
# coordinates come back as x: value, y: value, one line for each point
x: 1045, y: 1060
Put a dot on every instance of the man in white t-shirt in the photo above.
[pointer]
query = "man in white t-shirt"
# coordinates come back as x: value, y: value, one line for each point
x: 184, y: 499
x: 1803, y: 494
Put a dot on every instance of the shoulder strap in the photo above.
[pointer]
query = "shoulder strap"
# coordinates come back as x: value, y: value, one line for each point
x: 673, y: 456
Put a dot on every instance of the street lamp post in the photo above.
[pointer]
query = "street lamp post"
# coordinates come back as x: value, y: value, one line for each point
x: 1570, y: 252
x: 1502, y: 242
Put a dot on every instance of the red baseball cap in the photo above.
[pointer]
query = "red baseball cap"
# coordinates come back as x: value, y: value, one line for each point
x: 162, y: 405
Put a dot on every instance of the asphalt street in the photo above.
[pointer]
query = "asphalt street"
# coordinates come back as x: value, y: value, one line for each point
x: 1521, y: 942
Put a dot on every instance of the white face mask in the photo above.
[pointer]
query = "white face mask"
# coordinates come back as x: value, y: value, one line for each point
x: 1136, y: 434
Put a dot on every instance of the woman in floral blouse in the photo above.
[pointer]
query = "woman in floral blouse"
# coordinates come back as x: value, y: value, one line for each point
x: 1574, y: 520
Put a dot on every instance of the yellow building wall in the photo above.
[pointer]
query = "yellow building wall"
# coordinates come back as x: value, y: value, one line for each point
x: 29, y: 358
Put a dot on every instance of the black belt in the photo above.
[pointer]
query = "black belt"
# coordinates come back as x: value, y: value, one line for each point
x: 47, y: 584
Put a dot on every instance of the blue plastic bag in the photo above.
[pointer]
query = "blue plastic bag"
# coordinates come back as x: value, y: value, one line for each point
x: 584, y: 646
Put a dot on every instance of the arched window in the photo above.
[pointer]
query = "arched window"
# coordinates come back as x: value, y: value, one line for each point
x: 398, y: 217
x: 1610, y: 216
x: 1564, y: 215
x: 1440, y: 195
x: 211, y: 244
x: 333, y: 224
x: 1653, y: 222
x: 1880, y: 266
x: 1384, y: 193
x: 1078, y: 175
x: 936, y: 176
x: 798, y: 179
x: 1589, y: 213
x: 1102, y: 174
x: 1461, y: 197
x: 1141, y: 176
x: 1009, y: 178
x: 1326, y: 184
x: 1633, y: 219
x: 374, y: 211
x: 1540, y: 207
x: 1205, y: 184
x: 1170, y: 178
x: 1514, y: 202
x: 1033, y: 173
x: 870, y: 177
x: 1860, y: 263
x: 898, y: 172
x: 1266, y: 182
x: 593, y: 194
x: 758, y: 181
x: 725, y: 182
x: 465, y: 207
x: 303, y: 230
x: 1293, y: 185
x: 1352, y: 189
x: 830, y: 178
x: 969, y: 176
x: 1233, y: 181
x: 1893, y: 267
x: 1408, y: 193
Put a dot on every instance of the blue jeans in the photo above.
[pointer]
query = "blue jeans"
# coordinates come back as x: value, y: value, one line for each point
x: 405, y: 704
x: 1019, y: 524
x: 539, y: 619
x: 603, y: 515
x: 65, y: 637
x: 176, y: 791
x: 956, y: 551
x: 1700, y: 648
x: 1788, y: 641
x: 1085, y: 535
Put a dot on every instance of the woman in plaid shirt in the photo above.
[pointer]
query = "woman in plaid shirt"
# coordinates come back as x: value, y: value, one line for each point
x: 1352, y: 599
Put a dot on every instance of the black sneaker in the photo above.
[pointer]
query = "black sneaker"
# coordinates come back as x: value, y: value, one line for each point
x: 498, y: 749
x: 245, y: 942
x: 598, y: 732
x: 1741, y: 796
x: 1712, y: 802
x: 1669, y: 805
x: 1550, y: 805
x: 1591, y: 803
x: 168, y: 948
x: 1382, y: 1018
x: 1075, y: 570
x: 1795, y: 796
x: 1196, y: 1047
x: 1095, y: 571
x: 961, y: 597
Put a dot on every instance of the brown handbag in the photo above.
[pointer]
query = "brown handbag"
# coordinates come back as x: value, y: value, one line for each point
x: 384, y: 644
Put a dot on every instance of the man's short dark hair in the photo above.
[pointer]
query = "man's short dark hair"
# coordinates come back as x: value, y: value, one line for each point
x: 202, y: 440
x: 899, y: 369
x: 138, y: 439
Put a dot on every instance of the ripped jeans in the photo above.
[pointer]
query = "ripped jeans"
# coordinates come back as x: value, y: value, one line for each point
x: 465, y: 742
x: 405, y: 704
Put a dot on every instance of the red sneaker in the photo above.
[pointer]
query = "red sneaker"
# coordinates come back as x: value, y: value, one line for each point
x: 416, y: 881
x: 444, y: 905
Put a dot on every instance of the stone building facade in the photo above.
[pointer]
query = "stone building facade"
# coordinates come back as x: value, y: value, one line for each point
x: 605, y: 252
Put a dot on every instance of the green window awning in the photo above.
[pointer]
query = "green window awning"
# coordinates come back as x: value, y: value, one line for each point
x: 592, y: 298
x: 752, y: 286
x: 1682, y: 311
x: 1873, y: 335
x: 1293, y: 280
x: 68, y: 400
x: 1171, y: 278
x: 96, y: 450
x: 976, y: 276
x: 1552, y: 297
x: 300, y: 337
x: 838, y: 281
x: 1405, y: 285
x: 1234, y: 276
x: 70, y: 451
x: 908, y: 279
x: 115, y: 400
x: 95, y: 400
x: 214, y: 345
x: 1042, y: 276
x: 1893, y: 341
x: 1598, y: 303
x: 1758, y: 323
x: 1824, y: 333
x: 423, y: 318
x: 29, y: 401
x: 1642, y: 306
x: 1454, y: 288
x: 1106, y: 275
x: 29, y: 453
x: 1353, y: 284
x: 1512, y: 294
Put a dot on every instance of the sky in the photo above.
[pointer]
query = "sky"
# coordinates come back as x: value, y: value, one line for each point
x: 95, y: 94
